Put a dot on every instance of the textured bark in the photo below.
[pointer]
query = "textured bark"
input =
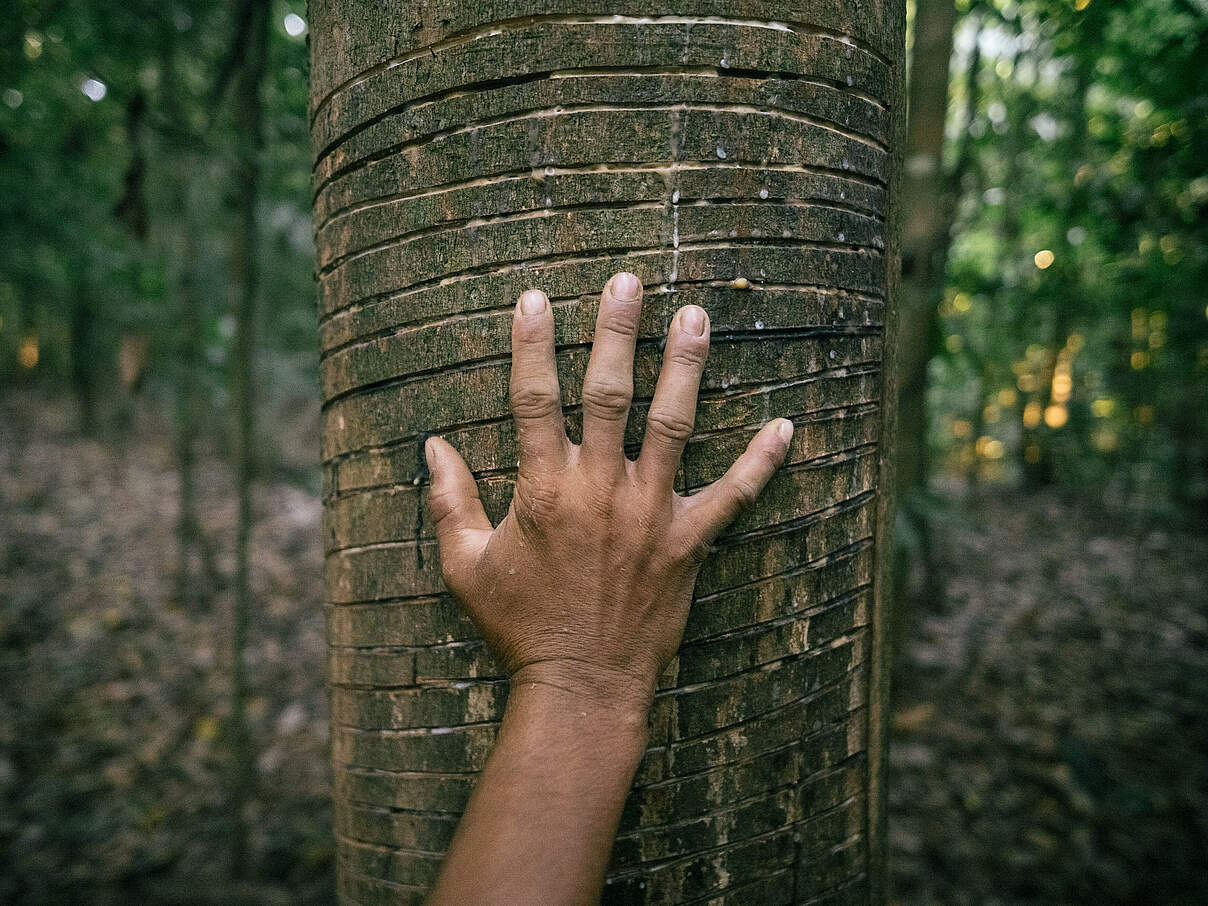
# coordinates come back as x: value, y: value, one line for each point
x: 736, y: 155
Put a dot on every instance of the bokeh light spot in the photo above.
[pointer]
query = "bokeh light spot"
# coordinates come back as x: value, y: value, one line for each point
x: 94, y: 89
x: 295, y: 25
x: 1056, y: 416
x: 27, y: 352
x: 1032, y: 413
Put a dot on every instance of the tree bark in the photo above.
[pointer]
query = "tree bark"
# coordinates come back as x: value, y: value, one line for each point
x: 736, y: 155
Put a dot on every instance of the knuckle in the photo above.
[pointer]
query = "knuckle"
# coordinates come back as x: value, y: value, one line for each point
x: 744, y: 492
x: 535, y: 401
x: 609, y: 399
x: 442, y: 506
x: 688, y: 355
x: 619, y: 319
x: 771, y: 456
x: 597, y: 508
x: 669, y: 425
x: 539, y: 499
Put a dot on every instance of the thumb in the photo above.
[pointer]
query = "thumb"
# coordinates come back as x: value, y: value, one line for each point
x: 462, y: 526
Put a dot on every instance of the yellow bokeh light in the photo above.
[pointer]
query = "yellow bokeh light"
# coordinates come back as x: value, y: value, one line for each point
x: 991, y: 414
x: 954, y: 343
x: 1056, y: 416
x: 1027, y: 383
x: 1007, y: 397
x: 27, y: 352
x: 1032, y: 453
x: 1139, y: 360
x: 989, y: 448
x: 1080, y: 5
x: 1032, y: 413
x: 961, y: 302
x: 1063, y: 385
x: 1075, y: 342
x: 1103, y: 408
x: 1044, y: 259
x: 1144, y: 414
x: 961, y: 428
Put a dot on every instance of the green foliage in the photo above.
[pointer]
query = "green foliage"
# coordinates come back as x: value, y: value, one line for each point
x: 115, y: 148
x: 1075, y: 345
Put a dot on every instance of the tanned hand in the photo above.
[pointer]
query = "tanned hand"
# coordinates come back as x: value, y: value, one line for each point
x: 582, y: 593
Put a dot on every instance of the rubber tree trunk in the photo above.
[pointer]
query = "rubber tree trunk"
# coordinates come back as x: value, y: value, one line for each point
x: 736, y: 155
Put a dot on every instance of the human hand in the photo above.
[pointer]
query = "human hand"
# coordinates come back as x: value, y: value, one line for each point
x: 586, y: 583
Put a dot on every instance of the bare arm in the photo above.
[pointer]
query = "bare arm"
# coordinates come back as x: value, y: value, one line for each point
x: 582, y: 592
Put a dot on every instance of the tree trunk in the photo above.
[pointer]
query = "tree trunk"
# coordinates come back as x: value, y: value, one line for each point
x: 733, y: 155
x: 248, y: 109
x: 927, y: 201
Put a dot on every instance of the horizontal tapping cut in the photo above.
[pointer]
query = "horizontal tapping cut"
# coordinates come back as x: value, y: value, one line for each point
x: 336, y: 287
x: 483, y: 99
x: 835, y: 220
x: 865, y: 196
x: 484, y: 30
x: 582, y: 133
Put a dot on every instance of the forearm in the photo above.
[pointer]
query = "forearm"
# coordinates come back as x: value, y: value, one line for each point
x: 582, y: 593
x: 540, y: 823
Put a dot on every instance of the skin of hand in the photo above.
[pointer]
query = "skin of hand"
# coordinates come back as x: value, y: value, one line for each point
x: 582, y: 593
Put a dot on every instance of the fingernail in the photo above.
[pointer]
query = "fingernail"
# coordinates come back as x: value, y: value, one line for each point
x: 692, y: 318
x: 532, y: 302
x: 626, y: 287
x: 785, y: 430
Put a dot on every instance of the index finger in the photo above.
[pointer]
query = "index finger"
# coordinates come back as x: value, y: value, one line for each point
x: 536, y: 397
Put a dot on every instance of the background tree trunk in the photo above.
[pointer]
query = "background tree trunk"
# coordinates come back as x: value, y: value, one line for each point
x: 927, y: 202
x: 247, y: 107
x: 734, y: 155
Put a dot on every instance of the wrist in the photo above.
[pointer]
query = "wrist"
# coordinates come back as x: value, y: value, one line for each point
x: 606, y: 705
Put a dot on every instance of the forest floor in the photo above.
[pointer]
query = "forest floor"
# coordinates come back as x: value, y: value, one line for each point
x: 1050, y: 732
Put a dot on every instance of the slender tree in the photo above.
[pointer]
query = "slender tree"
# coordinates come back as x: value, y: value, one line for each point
x: 734, y: 155
x: 927, y: 202
x: 249, y: 61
